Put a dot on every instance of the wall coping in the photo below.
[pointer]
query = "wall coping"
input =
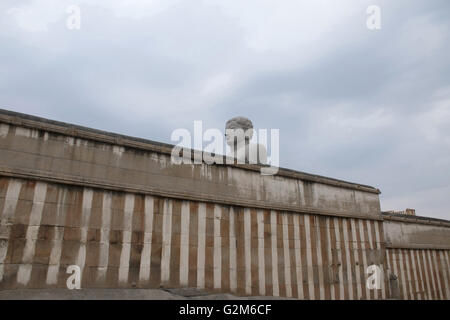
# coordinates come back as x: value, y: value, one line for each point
x: 415, y: 219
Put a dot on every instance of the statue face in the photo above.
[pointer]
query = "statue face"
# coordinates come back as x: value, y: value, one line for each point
x: 237, y: 135
x: 238, y: 130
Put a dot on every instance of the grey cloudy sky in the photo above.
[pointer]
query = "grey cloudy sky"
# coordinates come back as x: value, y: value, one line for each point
x: 361, y: 105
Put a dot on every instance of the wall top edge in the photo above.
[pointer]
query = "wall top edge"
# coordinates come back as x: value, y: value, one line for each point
x: 415, y: 219
x: 34, y: 122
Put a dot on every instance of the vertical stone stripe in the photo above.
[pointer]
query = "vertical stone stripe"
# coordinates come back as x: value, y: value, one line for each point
x: 377, y: 225
x: 447, y: 260
x: 364, y: 257
x: 254, y: 253
x: 240, y: 250
x: 371, y: 257
x: 74, y: 216
x: 382, y: 250
x: 361, y: 258
x: 373, y: 231
x: 353, y: 267
x: 193, y: 243
x: 390, y: 269
x: 414, y: 274
x: 261, y: 254
x: 348, y: 259
x: 427, y: 275
x: 303, y: 256
x: 145, y: 265
x: 408, y: 275
x: 85, y: 217
x: 156, y: 249
x: 291, y: 242
x: 445, y: 270
x: 287, y: 261
x: 298, y: 259
x: 437, y: 274
x: 273, y: 229
x: 247, y: 252
x: 430, y: 270
x: 314, y: 264
x: 175, y: 244
x: 217, y: 248
x: 209, y: 247
x: 414, y: 277
x: 9, y: 208
x: 357, y: 261
x: 396, y: 270
x: 403, y: 274
x: 309, y: 260
x: 420, y: 274
x: 441, y: 272
x: 280, y: 250
x: 137, y: 241
x: 371, y: 247
x: 330, y: 259
x: 425, y: 271
x: 24, y: 273
x: 166, y: 241
x: 335, y: 261
x: 184, y: 244
x: 268, y: 253
x: 321, y: 259
x: 126, y: 238
x: 104, y: 237
x: 339, y: 247
x: 225, y: 250
x: 233, y: 260
x: 201, y: 246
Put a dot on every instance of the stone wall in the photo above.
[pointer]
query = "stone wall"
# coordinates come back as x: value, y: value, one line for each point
x: 123, y: 239
x: 418, y: 251
x: 117, y: 207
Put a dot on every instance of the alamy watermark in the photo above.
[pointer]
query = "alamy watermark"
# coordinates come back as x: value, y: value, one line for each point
x: 375, y: 277
x: 73, y: 21
x: 242, y: 147
x: 373, y: 21
x: 74, y: 280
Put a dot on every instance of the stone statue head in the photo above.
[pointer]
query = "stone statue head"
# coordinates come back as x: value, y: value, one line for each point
x: 238, y: 130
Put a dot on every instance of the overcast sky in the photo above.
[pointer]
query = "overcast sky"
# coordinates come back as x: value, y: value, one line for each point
x: 368, y: 106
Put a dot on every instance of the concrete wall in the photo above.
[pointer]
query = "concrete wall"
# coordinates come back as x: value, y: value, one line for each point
x: 132, y: 240
x: 117, y: 207
x: 416, y: 233
x: 417, y: 274
x: 36, y: 153
x: 418, y: 251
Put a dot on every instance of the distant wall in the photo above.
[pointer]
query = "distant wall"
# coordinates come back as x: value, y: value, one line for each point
x: 418, y: 251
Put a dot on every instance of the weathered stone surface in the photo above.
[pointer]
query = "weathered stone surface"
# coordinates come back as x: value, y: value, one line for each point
x: 116, y: 207
x: 143, y: 166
